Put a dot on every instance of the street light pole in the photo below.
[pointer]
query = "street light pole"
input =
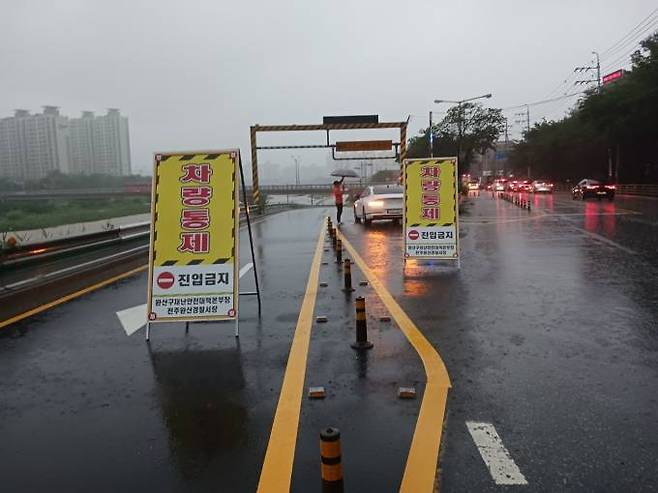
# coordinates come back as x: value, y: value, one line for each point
x: 297, y: 177
x: 460, y: 117
x: 431, y: 137
x: 459, y: 134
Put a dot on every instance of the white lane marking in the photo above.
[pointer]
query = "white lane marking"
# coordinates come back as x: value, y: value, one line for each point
x: 501, y: 466
x: 631, y: 196
x: 597, y: 237
x: 605, y: 240
x: 246, y: 269
x: 134, y: 318
x: 583, y: 214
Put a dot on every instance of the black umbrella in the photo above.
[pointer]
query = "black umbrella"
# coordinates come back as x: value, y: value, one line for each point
x: 344, y: 172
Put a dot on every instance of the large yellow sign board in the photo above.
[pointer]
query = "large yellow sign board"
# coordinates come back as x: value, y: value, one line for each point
x: 193, y: 258
x: 430, y: 208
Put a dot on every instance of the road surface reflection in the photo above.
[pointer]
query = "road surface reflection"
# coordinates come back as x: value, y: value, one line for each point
x: 199, y: 393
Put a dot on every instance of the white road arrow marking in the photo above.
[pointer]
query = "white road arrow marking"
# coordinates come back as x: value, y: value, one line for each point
x: 246, y: 269
x: 501, y: 466
x: 134, y: 318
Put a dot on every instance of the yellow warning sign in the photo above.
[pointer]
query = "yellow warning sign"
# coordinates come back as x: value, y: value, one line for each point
x: 194, y: 242
x: 430, y: 208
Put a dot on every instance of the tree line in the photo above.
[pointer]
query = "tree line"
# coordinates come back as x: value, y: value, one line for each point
x: 612, y: 133
x: 57, y: 180
x: 467, y: 129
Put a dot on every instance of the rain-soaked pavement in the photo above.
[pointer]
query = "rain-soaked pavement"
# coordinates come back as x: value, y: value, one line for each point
x: 548, y: 333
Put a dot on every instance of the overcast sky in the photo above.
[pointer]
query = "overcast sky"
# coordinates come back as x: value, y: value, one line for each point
x: 196, y: 74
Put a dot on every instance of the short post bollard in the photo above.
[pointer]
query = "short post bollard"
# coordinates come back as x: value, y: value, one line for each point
x: 362, y: 341
x: 347, y: 273
x: 330, y: 457
x: 339, y: 251
x: 333, y: 237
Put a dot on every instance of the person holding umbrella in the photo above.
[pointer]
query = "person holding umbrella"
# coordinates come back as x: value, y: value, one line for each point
x: 338, y: 198
x: 338, y: 190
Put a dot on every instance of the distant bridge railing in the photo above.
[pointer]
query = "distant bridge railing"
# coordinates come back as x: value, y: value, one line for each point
x: 145, y: 189
x: 650, y: 190
x: 283, y: 189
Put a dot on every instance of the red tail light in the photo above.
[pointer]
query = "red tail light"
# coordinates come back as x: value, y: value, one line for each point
x: 610, y: 187
x: 591, y: 187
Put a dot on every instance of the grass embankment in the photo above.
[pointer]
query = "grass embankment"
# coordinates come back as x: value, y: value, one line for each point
x: 18, y: 216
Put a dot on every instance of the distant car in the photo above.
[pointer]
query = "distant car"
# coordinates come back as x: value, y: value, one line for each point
x: 524, y: 186
x: 541, y: 186
x: 379, y: 202
x: 593, y: 188
x: 519, y: 186
x: 473, y: 186
x: 499, y: 185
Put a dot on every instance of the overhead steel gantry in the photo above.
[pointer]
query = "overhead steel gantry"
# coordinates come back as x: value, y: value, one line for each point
x: 352, y: 122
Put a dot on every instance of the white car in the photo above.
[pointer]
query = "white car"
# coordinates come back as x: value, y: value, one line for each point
x: 540, y: 186
x: 500, y: 185
x: 378, y: 202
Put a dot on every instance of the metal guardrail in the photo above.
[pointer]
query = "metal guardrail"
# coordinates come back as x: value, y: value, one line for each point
x: 36, y: 253
x: 649, y: 190
x: 74, y: 269
x: 40, y: 251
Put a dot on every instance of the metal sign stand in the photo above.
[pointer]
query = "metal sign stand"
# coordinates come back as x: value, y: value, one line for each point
x: 253, y: 260
x: 253, y: 256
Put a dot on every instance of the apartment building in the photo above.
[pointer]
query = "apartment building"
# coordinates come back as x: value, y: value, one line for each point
x: 34, y: 145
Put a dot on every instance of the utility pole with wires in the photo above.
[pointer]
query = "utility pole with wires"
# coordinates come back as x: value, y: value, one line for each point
x: 597, y: 67
x: 523, y: 118
x: 506, y: 130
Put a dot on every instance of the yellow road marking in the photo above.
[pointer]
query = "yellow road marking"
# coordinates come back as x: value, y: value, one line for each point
x: 420, y: 470
x: 69, y: 297
x: 276, y: 474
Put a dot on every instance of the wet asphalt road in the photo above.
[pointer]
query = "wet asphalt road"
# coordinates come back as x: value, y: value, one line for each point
x: 548, y: 332
x: 83, y: 407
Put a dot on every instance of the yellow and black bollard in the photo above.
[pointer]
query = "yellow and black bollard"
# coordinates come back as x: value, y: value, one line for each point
x: 333, y: 237
x: 362, y: 341
x: 339, y: 251
x: 330, y: 456
x: 329, y: 225
x: 347, y: 273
